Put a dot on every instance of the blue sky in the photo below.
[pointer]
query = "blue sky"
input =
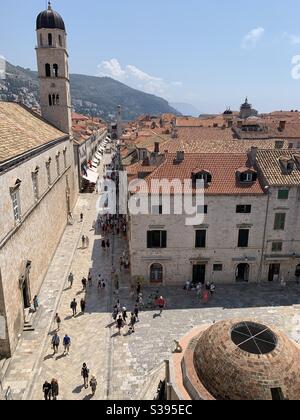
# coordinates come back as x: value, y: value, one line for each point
x: 207, y: 53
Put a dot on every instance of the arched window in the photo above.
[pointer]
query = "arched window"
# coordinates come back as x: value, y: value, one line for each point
x: 156, y: 273
x: 60, y: 40
x: 57, y: 99
x: 50, y: 41
x: 48, y: 70
x: 53, y: 100
x: 55, y: 70
x: 50, y: 100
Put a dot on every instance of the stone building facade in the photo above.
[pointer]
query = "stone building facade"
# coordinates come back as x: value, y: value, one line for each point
x: 37, y: 189
x: 250, y: 232
x: 226, y: 247
x: 38, y: 183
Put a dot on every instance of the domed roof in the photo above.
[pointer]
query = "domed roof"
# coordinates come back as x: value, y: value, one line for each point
x: 49, y: 19
x: 244, y: 360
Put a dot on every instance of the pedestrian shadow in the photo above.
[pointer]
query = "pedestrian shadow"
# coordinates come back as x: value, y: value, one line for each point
x: 62, y: 356
x: 117, y: 334
x: 127, y: 334
x: 88, y: 397
x: 67, y: 318
x: 79, y: 315
x: 110, y: 325
x: 67, y: 288
x: 156, y: 316
x: 80, y: 292
x: 53, y: 332
x: 78, y: 389
x: 50, y: 356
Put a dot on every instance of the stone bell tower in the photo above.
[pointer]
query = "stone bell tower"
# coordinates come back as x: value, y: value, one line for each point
x: 53, y: 71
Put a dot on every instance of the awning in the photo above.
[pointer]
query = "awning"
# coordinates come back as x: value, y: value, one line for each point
x: 92, y: 176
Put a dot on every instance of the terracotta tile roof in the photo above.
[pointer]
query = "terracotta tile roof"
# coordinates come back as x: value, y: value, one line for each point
x: 214, y: 140
x: 223, y: 168
x: 21, y: 130
x: 139, y: 167
x: 149, y: 142
x: 269, y: 164
x: 79, y: 117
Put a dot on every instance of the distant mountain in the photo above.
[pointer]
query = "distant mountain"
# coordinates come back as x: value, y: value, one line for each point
x: 96, y: 96
x: 186, y: 109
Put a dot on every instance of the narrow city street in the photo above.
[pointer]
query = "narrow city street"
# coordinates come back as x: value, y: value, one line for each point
x: 127, y: 366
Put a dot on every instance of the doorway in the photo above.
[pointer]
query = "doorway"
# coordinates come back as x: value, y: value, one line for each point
x: 25, y: 285
x: 242, y: 273
x: 156, y: 273
x: 199, y: 271
x: 274, y: 271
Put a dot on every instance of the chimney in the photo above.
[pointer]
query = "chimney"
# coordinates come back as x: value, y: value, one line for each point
x: 252, y: 155
x: 180, y: 157
x: 156, y: 147
x: 282, y: 125
x: 279, y: 144
x: 146, y: 162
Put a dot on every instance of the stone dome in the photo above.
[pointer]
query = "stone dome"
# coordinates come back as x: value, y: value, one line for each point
x: 49, y: 19
x: 245, y: 360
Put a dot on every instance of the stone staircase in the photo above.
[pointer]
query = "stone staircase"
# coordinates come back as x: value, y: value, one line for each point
x: 29, y: 318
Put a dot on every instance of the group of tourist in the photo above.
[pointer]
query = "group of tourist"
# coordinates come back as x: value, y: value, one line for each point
x: 51, y: 390
x: 204, y: 291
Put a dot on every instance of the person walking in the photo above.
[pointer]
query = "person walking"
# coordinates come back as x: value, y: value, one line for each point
x: 84, y: 283
x: 161, y: 304
x: 212, y: 288
x: 71, y: 280
x: 120, y: 324
x: 35, y: 303
x: 124, y: 315
x: 73, y: 306
x: 138, y: 289
x: 136, y: 312
x: 93, y: 385
x: 58, y: 321
x: 103, y: 245
x: 55, y: 343
x: 82, y: 305
x: 90, y: 279
x: 67, y: 344
x: 118, y: 306
x: 47, y: 391
x: 85, y: 374
x: 81, y: 217
x: 108, y: 244
x: 83, y: 241
x: 132, y: 323
x: 54, y: 389
x: 115, y: 313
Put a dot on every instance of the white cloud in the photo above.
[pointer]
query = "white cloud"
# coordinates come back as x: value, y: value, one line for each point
x: 136, y: 77
x: 293, y: 39
x: 253, y: 37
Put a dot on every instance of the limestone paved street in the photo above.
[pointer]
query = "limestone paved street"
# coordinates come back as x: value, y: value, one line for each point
x: 126, y: 366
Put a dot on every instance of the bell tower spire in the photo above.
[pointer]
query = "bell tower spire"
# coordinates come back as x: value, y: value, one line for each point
x: 52, y: 60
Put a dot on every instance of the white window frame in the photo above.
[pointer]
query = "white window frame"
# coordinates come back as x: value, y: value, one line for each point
x: 15, y: 195
x: 35, y: 185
